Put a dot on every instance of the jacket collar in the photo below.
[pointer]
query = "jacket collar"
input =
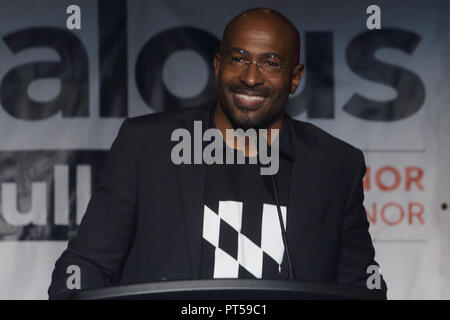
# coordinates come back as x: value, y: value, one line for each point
x: 191, y: 182
x: 305, y: 178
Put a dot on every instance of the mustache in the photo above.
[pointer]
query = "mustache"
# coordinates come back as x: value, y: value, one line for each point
x: 242, y: 88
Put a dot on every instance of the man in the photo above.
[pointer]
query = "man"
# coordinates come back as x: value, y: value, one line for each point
x: 152, y: 220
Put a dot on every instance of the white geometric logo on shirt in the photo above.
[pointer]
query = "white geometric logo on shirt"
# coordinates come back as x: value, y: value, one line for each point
x: 250, y: 256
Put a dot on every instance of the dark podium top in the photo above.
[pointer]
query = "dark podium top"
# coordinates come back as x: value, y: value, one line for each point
x: 230, y: 289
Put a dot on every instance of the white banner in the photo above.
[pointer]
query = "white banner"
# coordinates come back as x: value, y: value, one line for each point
x: 64, y: 93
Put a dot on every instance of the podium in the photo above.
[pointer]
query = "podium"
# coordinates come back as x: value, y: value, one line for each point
x: 229, y: 289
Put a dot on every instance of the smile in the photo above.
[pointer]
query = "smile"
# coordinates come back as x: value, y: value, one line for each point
x: 248, y: 102
x: 249, y: 98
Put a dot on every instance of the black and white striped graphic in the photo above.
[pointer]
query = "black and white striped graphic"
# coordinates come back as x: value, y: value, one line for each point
x: 233, y: 250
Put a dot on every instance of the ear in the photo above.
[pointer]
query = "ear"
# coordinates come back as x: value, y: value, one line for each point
x: 216, y: 65
x: 297, y: 75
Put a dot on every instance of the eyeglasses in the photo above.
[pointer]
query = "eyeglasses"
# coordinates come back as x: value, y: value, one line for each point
x: 240, y: 64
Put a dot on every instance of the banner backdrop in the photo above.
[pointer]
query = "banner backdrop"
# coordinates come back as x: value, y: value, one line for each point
x: 64, y: 94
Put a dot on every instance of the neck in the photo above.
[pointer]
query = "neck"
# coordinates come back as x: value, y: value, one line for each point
x: 223, y: 123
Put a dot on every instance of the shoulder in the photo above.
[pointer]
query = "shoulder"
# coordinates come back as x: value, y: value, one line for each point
x: 165, y: 119
x: 326, y: 144
x: 157, y: 127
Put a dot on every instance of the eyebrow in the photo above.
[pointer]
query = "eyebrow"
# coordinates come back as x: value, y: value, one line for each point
x: 266, y: 54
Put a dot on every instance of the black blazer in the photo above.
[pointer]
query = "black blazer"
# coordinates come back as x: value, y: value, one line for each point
x: 144, y: 221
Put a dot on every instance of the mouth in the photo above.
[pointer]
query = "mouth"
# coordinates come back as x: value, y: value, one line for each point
x: 248, y: 102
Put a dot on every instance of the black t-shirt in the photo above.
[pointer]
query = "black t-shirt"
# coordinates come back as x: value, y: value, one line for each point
x: 241, y: 230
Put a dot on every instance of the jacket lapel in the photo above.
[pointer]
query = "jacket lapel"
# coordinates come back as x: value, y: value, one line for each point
x: 305, y: 177
x: 191, y: 183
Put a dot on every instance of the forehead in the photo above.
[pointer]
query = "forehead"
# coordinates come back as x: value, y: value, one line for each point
x: 259, y: 36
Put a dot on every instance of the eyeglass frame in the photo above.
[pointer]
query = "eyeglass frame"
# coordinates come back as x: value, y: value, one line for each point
x: 247, y: 62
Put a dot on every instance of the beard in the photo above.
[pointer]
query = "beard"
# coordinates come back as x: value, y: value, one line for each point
x: 260, y: 121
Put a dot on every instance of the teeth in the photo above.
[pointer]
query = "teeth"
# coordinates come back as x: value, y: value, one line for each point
x: 249, y: 98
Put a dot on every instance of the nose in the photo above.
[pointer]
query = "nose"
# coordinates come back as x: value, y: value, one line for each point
x: 251, y: 75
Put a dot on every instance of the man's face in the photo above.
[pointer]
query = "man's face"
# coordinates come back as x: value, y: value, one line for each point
x: 253, y: 96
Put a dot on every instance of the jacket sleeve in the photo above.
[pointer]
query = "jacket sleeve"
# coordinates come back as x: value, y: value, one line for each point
x: 107, y: 229
x: 357, y: 252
